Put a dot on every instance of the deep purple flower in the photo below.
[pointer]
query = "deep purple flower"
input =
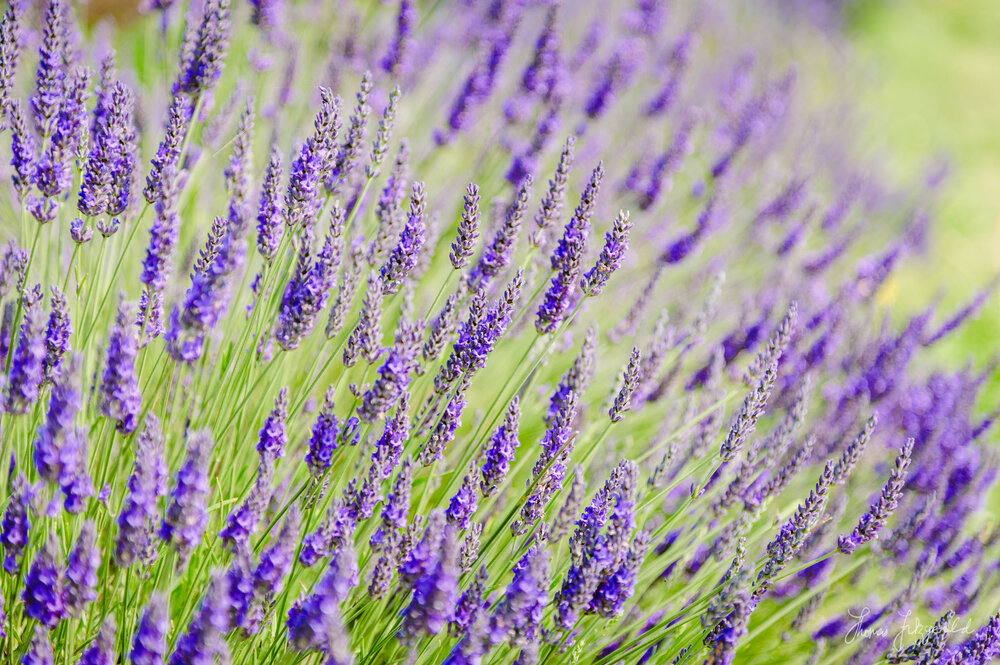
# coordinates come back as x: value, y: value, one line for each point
x: 43, y: 588
x: 49, y: 78
x: 243, y: 521
x: 102, y: 650
x: 270, y: 227
x: 165, y: 167
x: 16, y: 523
x: 74, y: 478
x: 121, y: 399
x: 615, y: 244
x: 22, y: 150
x: 609, y: 598
x: 330, y: 535
x: 150, y: 644
x: 27, y: 371
x: 187, y: 515
x: 205, y: 639
x: 276, y: 560
x: 312, y: 166
x: 57, y: 334
x: 64, y: 402
x: 273, y: 435
x: 630, y: 382
x: 80, y: 584
x: 464, y: 503
x: 309, y: 288
x: 434, y: 593
x: 873, y: 520
x: 140, y: 510
x: 394, y: 374
x: 404, y: 257
x: 201, y: 67
x: 500, y: 450
x: 566, y: 259
x: 306, y: 618
x: 325, y: 434
x: 40, y: 650
x: 107, y: 178
x: 518, y: 618
x: 395, y: 58
x: 496, y: 256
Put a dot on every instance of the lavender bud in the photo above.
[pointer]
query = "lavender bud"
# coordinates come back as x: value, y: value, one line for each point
x: 43, y: 588
x: 500, y: 450
x: 187, y: 516
x: 615, y: 244
x: 80, y: 584
x: 121, y: 399
x: 630, y: 382
x: 140, y: 510
x: 873, y: 520
x: 404, y: 257
x: 468, y: 230
x: 26, y: 374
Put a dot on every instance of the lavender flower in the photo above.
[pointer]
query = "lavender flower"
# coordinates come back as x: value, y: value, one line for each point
x: 277, y: 559
x: 243, y: 521
x: 187, y: 517
x: 205, y: 639
x: 518, y: 618
x: 468, y: 230
x: 16, y: 523
x: 150, y: 644
x: 305, y: 623
x: 273, y: 437
x: 566, y: 259
x: 312, y: 166
x: 307, y: 292
x: 22, y: 150
x: 40, y: 650
x: 615, y: 244
x: 140, y: 509
x: 873, y: 520
x: 202, y: 64
x: 444, y: 430
x: 165, y: 165
x: 630, y: 381
x: 350, y: 151
x: 57, y: 334
x: 366, y: 338
x: 403, y: 258
x: 102, y: 650
x: 496, y: 256
x: 121, y: 399
x: 395, y: 58
x: 500, y: 450
x: 464, y: 503
x: 80, y: 583
x: 27, y: 371
x: 434, y: 594
x: 269, y: 221
x: 108, y: 176
x: 394, y: 374
x: 10, y: 52
x: 43, y: 588
x: 51, y: 71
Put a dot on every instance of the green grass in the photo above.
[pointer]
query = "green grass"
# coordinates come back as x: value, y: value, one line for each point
x: 932, y: 91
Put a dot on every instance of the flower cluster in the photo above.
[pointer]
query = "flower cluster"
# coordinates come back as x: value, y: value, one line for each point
x: 563, y: 343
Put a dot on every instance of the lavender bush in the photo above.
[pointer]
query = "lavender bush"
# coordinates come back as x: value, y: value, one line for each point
x: 473, y: 332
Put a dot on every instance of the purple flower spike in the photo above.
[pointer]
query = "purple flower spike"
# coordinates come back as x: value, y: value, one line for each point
x: 465, y: 502
x: 615, y: 244
x: 243, y: 521
x: 102, y: 650
x: 205, y: 639
x: 276, y: 560
x: 395, y: 59
x: 150, y: 644
x: 43, y: 588
x: 323, y: 440
x: 51, y: 72
x: 273, y: 435
x: 27, y: 371
x: 64, y: 402
x: 394, y: 374
x: 308, y: 290
x: 406, y: 254
x: 366, y: 338
x: 518, y: 618
x: 11, y: 45
x: 202, y: 64
x: 269, y: 220
x: 16, y: 523
x: 468, y: 230
x: 500, y: 451
x: 306, y: 625
x: 566, y: 260
x: 497, y: 255
x: 873, y: 520
x: 107, y: 179
x: 40, y: 650
x: 22, y: 150
x: 187, y: 516
x: 121, y: 399
x: 80, y: 585
x: 434, y: 594
x: 137, y: 521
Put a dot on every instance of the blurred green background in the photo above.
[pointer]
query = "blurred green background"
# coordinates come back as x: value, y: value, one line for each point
x: 932, y: 89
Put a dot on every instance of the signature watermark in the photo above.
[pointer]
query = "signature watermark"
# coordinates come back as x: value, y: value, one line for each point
x: 908, y: 630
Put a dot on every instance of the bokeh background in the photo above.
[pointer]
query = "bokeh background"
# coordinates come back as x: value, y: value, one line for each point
x: 930, y: 92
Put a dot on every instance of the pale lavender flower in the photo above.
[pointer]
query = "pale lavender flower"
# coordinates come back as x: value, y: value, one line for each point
x: 27, y: 371
x: 121, y: 399
x: 149, y: 647
x: 81, y: 576
x: 187, y: 517
x: 137, y: 521
x: 403, y: 258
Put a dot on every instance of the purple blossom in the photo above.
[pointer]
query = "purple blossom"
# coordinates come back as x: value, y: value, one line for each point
x: 187, y: 516
x: 16, y: 523
x: 403, y: 258
x: 121, y: 399
x: 150, y: 644
x: 270, y: 228
x: 243, y: 521
x: 615, y: 244
x: 519, y: 616
x: 873, y: 520
x: 43, y: 588
x: 500, y: 450
x: 305, y: 623
x: 49, y: 78
x: 64, y: 402
x: 394, y: 60
x: 394, y: 374
x: 137, y: 521
x: 497, y: 255
x: 434, y: 593
x: 273, y: 435
x: 325, y: 435
x: 366, y: 338
x: 102, y: 650
x: 202, y: 64
x: 107, y: 178
x: 40, y: 650
x: 205, y: 639
x: 464, y: 503
x: 27, y: 371
x: 81, y: 577
x: 57, y: 334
